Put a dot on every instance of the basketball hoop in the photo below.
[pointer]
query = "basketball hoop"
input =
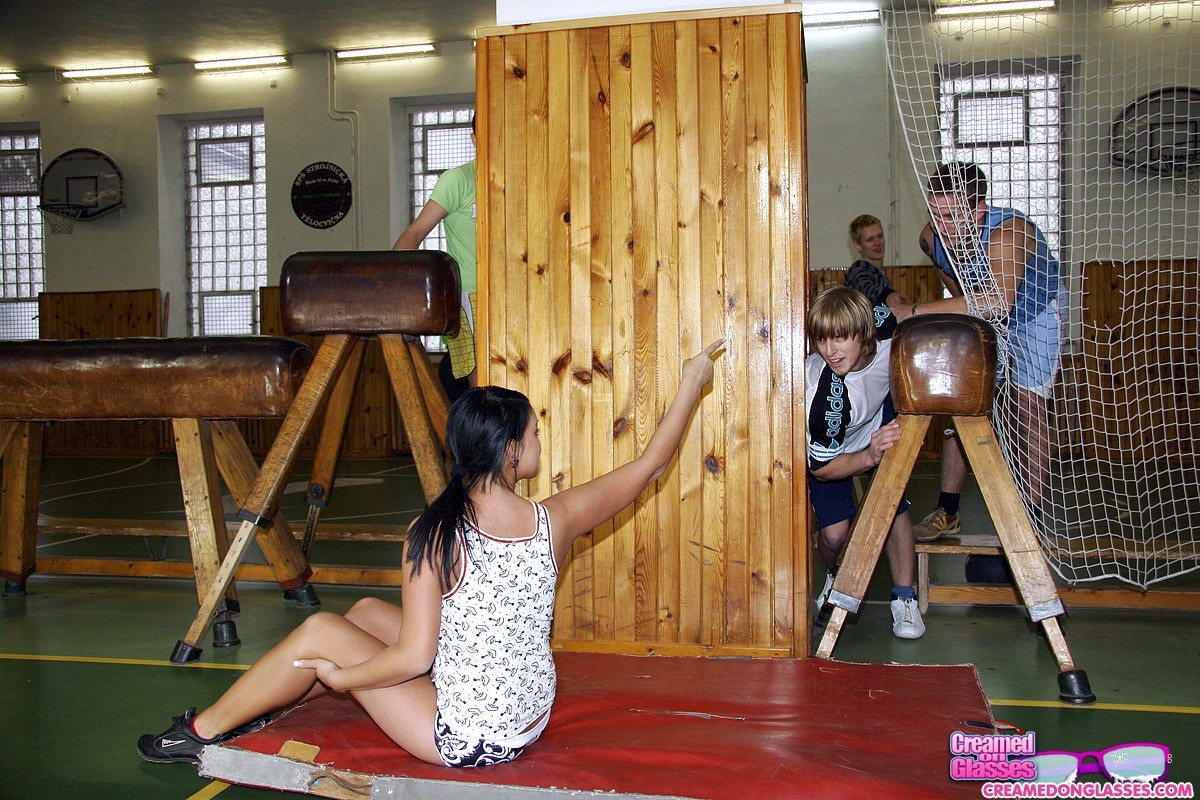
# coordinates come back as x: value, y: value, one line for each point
x: 61, y: 217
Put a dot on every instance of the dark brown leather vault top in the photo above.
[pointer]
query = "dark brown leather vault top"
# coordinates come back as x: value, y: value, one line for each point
x: 943, y: 364
x: 371, y: 292
x: 200, y: 377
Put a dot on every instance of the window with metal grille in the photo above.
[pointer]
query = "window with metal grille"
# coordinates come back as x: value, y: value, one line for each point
x: 1010, y: 124
x: 227, y: 224
x: 22, y: 275
x: 440, y: 139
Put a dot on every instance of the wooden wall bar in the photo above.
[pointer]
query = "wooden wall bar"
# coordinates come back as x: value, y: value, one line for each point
x: 1124, y: 406
x: 642, y: 194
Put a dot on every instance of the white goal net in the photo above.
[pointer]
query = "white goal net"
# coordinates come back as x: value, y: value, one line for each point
x: 1085, y: 118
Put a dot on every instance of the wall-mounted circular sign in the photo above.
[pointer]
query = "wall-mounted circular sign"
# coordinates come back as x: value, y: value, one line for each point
x: 321, y: 195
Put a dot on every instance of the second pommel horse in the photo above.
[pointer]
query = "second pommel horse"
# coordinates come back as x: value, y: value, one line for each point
x: 946, y: 364
x: 344, y: 297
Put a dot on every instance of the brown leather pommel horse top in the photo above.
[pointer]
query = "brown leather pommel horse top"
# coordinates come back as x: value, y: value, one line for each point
x: 944, y: 364
x: 200, y: 377
x: 366, y: 293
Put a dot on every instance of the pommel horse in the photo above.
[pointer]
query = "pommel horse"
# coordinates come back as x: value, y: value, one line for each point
x: 946, y: 364
x: 344, y: 297
x: 201, y: 384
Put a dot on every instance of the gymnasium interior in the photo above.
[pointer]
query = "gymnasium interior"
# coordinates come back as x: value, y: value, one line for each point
x: 651, y: 176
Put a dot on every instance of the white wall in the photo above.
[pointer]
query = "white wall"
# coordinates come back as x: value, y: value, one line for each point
x: 856, y: 156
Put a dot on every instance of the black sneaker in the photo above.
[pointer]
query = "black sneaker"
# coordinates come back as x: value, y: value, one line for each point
x: 177, y: 743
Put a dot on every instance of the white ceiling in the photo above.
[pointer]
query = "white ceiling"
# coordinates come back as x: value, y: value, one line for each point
x: 44, y: 35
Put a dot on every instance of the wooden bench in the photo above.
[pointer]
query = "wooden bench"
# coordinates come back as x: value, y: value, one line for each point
x: 200, y: 384
x: 1091, y: 547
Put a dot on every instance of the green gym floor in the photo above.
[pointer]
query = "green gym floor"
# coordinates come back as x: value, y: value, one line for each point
x: 84, y: 664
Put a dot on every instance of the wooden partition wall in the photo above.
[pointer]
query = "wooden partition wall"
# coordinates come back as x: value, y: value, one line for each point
x: 641, y: 193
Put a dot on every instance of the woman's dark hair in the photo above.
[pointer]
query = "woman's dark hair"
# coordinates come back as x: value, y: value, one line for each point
x: 482, y: 424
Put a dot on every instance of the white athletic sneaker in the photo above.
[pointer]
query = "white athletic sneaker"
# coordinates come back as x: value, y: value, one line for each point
x: 906, y: 619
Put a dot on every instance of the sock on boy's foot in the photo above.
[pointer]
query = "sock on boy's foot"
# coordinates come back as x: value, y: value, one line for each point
x: 949, y: 502
x: 903, y: 592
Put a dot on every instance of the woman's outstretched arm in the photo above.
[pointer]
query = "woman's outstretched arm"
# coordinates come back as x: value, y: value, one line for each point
x: 581, y: 508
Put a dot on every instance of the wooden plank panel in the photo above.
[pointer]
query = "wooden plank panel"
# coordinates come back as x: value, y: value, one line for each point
x: 645, y: 300
x: 713, y: 323
x: 690, y: 464
x: 780, y: 227
x: 594, y: 599
x: 667, y: 494
x: 795, y: 189
x: 559, y: 424
x: 516, y: 190
x: 498, y: 137
x: 540, y: 206
x: 733, y: 134
x: 624, y: 341
x: 758, y: 334
x: 579, y: 324
x: 683, y: 196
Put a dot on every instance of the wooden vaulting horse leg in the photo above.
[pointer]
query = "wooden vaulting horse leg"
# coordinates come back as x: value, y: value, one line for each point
x: 871, y: 528
x: 263, y: 499
x: 342, y: 296
x: 329, y: 446
x: 1021, y: 548
x: 437, y: 405
x: 21, y: 449
x: 945, y: 364
x: 418, y: 427
x: 205, y: 514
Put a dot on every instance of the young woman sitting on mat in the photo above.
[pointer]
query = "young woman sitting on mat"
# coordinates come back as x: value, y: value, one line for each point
x: 463, y: 675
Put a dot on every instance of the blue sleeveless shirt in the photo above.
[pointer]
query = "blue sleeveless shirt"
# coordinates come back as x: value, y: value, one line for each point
x: 1039, y: 285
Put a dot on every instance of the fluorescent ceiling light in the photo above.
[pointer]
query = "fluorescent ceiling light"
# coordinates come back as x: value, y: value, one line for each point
x: 105, y: 73
x: 11, y: 79
x: 1001, y: 7
x: 384, y: 53
x: 864, y: 17
x: 234, y: 64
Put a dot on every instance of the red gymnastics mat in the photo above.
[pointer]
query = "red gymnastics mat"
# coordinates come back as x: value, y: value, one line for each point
x: 658, y: 727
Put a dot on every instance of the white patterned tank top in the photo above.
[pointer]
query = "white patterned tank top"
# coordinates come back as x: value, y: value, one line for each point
x: 493, y: 670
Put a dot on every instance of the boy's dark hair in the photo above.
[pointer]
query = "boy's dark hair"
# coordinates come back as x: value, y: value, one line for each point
x: 961, y: 178
x: 482, y: 425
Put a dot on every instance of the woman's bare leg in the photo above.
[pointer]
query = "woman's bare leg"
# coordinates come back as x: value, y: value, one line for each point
x: 273, y: 683
x: 377, y: 617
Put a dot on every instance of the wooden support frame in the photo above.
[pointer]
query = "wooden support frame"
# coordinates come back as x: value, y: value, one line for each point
x: 330, y: 380
x: 1017, y: 539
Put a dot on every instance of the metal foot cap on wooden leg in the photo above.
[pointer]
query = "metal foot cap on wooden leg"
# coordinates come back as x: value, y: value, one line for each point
x: 185, y: 652
x: 225, y: 634
x: 14, y: 589
x: 1073, y: 688
x: 304, y: 596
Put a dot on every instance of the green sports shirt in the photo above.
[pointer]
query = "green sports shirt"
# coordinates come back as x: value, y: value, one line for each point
x: 455, y: 192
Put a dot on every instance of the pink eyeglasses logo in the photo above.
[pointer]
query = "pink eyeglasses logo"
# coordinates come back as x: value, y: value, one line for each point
x: 1135, y: 761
